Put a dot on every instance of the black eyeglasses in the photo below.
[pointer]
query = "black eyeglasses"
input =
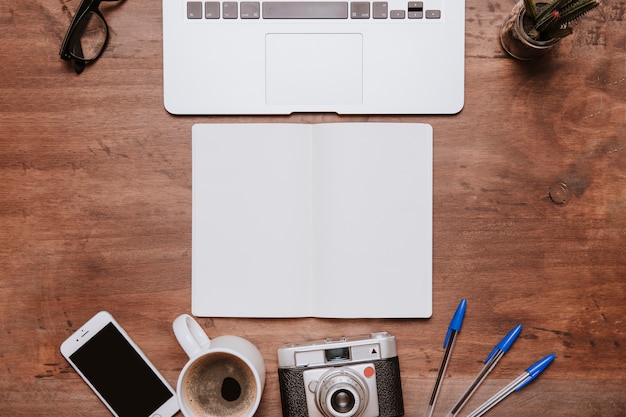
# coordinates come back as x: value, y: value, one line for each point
x: 87, y: 35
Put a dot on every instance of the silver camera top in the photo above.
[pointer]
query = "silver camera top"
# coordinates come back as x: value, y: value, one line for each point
x: 331, y: 352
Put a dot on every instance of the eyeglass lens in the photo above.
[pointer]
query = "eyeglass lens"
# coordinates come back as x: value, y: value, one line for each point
x: 90, y: 37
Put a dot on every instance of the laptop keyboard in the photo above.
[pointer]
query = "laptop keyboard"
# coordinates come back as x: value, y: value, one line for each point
x: 307, y: 10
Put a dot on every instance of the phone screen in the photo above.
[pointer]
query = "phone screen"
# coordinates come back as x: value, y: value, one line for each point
x: 120, y: 375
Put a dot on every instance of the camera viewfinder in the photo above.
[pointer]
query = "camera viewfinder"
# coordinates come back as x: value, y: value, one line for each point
x: 337, y: 354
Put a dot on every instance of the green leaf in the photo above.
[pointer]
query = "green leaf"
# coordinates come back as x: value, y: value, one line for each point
x: 531, y: 8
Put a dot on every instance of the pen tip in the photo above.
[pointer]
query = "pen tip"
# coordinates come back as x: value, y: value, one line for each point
x: 510, y: 338
x: 505, y: 344
x: 540, y: 365
x: 457, y: 320
x: 537, y: 368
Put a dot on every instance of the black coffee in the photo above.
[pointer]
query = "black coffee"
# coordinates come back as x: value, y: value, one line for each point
x: 220, y: 385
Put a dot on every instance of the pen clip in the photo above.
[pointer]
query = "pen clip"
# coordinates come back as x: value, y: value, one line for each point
x: 456, y: 322
x: 535, y: 369
x: 505, y: 344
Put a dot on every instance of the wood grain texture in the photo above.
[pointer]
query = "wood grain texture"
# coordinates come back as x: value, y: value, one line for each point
x: 95, y: 213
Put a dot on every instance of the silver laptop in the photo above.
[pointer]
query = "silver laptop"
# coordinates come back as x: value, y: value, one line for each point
x: 287, y: 56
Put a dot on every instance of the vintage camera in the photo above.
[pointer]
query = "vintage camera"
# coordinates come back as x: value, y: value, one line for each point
x: 346, y: 377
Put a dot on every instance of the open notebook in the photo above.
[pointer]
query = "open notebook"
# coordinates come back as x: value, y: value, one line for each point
x: 323, y: 220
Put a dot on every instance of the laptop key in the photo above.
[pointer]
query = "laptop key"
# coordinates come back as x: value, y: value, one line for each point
x: 229, y: 9
x: 211, y: 10
x: 360, y: 10
x: 380, y: 10
x: 194, y: 10
x: 416, y: 9
x: 250, y: 10
x: 305, y: 10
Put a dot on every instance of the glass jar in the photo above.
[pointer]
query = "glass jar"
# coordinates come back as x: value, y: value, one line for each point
x: 516, y: 41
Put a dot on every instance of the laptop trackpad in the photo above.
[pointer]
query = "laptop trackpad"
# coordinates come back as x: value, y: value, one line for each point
x: 314, y: 68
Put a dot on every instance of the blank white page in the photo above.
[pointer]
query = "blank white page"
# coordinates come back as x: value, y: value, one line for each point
x: 251, y: 239
x: 329, y: 220
x: 372, y: 206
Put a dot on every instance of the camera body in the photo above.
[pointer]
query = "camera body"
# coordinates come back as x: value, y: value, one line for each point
x: 345, y: 377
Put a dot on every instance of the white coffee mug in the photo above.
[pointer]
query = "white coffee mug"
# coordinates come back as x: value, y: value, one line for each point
x: 224, y: 376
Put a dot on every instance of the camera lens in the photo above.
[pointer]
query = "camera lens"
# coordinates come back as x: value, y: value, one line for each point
x: 342, y: 401
x: 342, y: 393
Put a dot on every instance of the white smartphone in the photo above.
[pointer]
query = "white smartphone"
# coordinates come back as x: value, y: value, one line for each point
x: 118, y: 371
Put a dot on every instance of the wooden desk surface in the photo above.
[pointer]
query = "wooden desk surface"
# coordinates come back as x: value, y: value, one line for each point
x: 95, y: 213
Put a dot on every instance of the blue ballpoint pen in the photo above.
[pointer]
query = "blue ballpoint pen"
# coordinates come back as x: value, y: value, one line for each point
x: 448, y: 344
x: 516, y: 385
x: 492, y: 360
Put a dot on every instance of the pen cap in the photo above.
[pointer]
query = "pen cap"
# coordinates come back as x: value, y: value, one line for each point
x: 505, y: 344
x: 536, y: 369
x: 456, y: 322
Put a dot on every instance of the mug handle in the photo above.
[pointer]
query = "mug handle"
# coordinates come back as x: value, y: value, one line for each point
x: 190, y: 335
